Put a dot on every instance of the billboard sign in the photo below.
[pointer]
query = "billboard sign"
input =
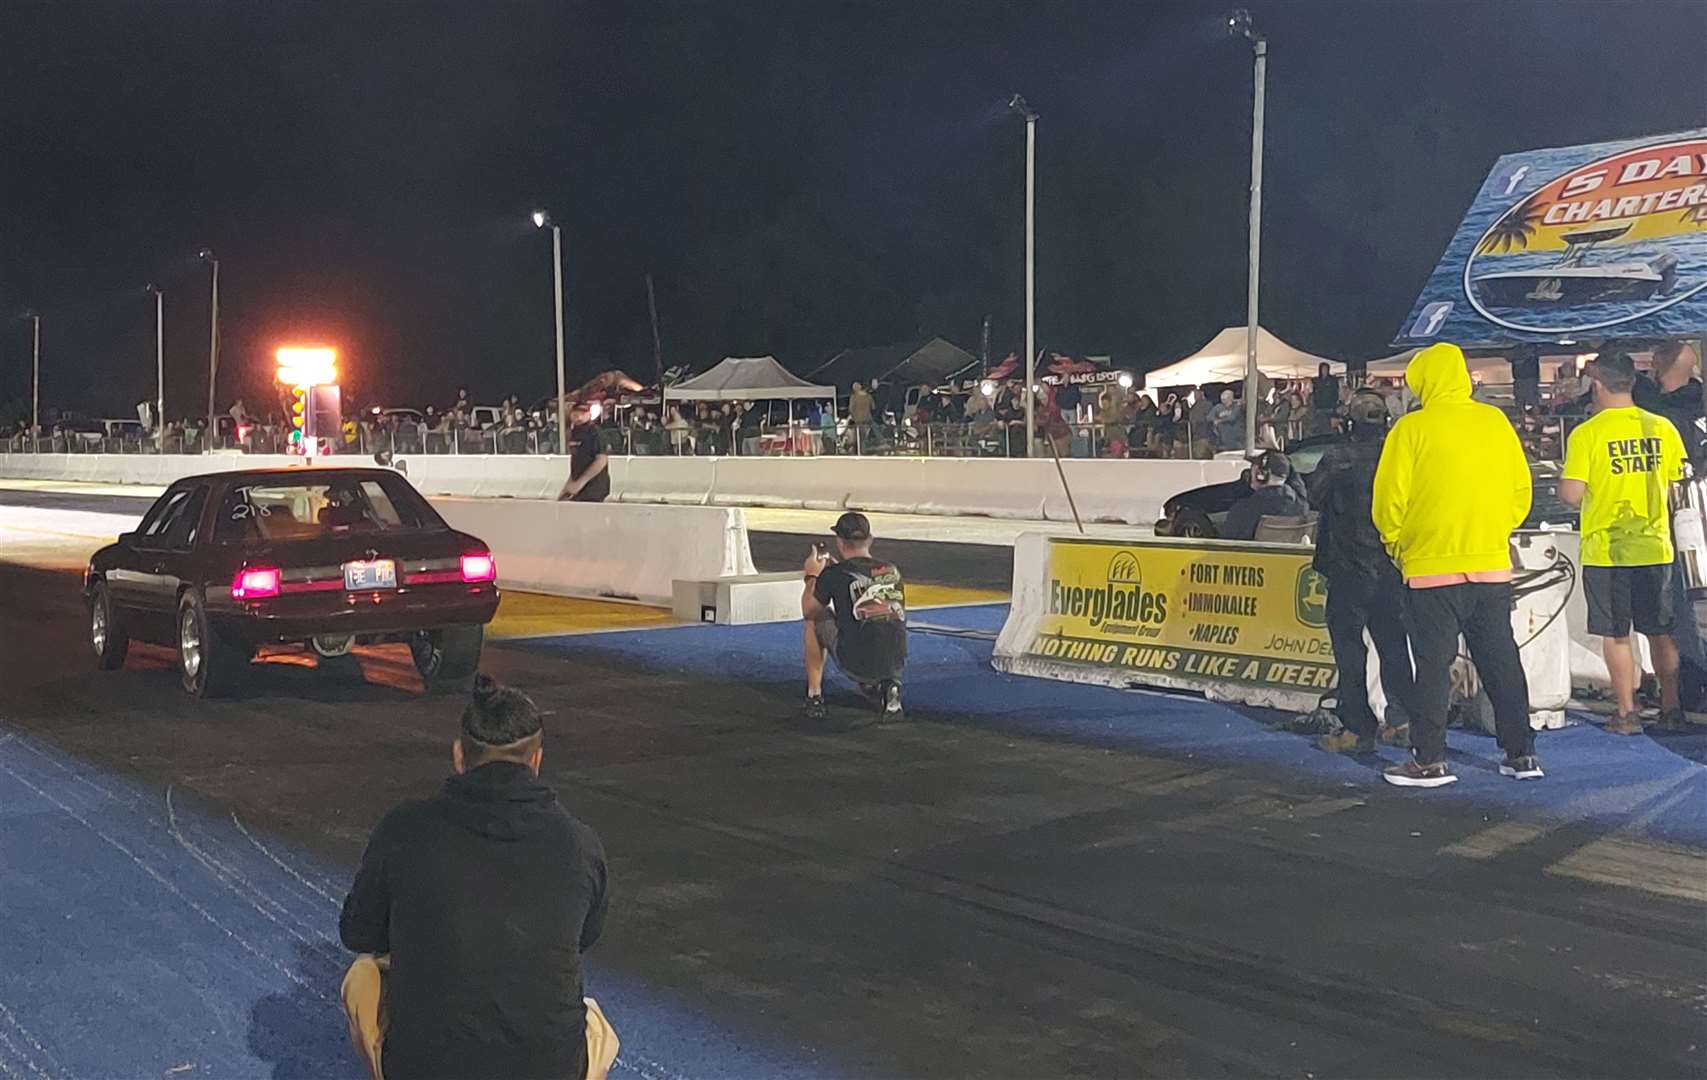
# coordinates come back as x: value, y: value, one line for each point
x: 1602, y: 240
x: 1241, y: 620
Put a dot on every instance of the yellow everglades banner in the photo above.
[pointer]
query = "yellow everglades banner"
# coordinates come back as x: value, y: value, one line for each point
x: 1187, y: 613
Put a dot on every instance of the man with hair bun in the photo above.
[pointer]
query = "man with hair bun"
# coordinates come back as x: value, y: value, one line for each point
x: 470, y: 913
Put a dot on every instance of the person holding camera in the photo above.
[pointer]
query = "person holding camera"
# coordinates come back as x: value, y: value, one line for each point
x: 855, y: 609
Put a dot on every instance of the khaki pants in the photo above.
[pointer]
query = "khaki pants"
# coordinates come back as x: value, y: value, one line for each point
x: 364, y: 1004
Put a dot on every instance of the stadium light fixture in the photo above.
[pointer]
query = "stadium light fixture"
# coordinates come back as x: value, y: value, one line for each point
x: 310, y: 365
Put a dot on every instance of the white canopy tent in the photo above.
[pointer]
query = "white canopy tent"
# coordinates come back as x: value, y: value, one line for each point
x: 1223, y: 360
x: 747, y: 378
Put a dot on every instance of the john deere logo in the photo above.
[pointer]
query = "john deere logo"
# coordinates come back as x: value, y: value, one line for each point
x: 1310, y: 598
x: 1123, y: 599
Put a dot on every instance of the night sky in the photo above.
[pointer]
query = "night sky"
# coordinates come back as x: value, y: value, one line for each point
x: 798, y: 176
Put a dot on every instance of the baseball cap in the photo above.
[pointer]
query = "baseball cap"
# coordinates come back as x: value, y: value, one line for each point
x: 852, y: 525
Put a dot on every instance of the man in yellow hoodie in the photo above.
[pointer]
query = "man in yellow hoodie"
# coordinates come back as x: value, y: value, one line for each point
x: 1451, y: 486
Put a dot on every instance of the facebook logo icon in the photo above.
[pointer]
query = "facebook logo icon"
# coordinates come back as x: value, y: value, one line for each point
x: 1430, y: 318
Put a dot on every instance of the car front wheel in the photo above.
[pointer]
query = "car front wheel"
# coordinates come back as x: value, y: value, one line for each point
x: 447, y: 659
x: 108, y: 636
x: 209, y: 664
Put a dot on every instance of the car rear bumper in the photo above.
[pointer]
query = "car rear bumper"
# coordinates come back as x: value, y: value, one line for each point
x: 400, y: 611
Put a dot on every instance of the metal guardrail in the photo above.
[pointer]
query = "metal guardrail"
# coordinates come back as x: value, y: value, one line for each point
x: 1543, y: 435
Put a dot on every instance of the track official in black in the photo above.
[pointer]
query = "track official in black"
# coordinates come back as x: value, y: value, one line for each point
x: 1365, y: 590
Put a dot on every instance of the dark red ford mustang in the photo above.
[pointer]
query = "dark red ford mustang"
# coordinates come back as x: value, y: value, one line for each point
x: 326, y: 557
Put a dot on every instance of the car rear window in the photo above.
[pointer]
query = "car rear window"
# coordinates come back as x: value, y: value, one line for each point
x: 314, y: 507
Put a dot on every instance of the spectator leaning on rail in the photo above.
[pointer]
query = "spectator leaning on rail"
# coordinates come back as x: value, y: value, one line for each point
x: 471, y: 911
x: 1228, y: 418
x: 1451, y: 486
x: 1272, y: 495
x: 1619, y: 467
x: 1365, y: 592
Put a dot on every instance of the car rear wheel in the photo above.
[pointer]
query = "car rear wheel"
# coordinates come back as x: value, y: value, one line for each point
x: 209, y: 664
x: 447, y: 659
x: 108, y: 636
x: 1193, y: 526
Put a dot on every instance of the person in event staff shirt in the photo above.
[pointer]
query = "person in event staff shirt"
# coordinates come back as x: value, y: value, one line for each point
x: 470, y: 914
x: 1619, y: 467
x: 856, y: 613
x: 1451, y: 486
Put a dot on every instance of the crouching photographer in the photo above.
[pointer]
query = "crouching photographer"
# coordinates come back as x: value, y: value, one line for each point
x: 856, y: 613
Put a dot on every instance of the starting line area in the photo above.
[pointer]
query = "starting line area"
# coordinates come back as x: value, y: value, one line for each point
x: 1653, y: 787
x: 199, y: 946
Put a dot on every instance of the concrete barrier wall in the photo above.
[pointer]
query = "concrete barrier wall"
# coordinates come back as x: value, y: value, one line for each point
x: 604, y: 549
x: 1129, y: 492
x: 151, y: 469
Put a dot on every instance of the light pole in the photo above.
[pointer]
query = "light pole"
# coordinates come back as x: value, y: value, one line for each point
x: 1239, y: 25
x: 212, y: 350
x: 1018, y: 104
x: 541, y: 219
x: 35, y: 381
x: 159, y: 368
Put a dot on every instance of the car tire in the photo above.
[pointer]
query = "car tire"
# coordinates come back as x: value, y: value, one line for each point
x: 447, y: 659
x: 1193, y: 526
x: 210, y: 665
x: 108, y: 635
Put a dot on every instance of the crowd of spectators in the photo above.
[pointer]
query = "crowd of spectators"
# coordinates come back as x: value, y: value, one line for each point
x: 1084, y: 416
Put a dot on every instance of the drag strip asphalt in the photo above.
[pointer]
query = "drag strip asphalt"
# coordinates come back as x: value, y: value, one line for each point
x: 946, y: 898
x: 1026, y: 879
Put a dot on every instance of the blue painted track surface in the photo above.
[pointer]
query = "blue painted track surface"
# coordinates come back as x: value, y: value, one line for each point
x: 1654, y: 786
x: 148, y: 935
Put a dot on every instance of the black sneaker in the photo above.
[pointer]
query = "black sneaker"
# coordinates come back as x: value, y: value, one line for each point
x: 815, y: 709
x: 1527, y: 767
x: 892, y: 701
x: 1410, y: 773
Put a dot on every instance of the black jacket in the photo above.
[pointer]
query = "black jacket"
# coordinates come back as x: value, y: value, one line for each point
x: 1347, y: 542
x: 1279, y: 500
x: 485, y: 896
x: 1683, y: 408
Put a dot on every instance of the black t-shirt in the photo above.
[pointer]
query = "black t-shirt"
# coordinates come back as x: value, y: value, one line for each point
x: 870, y: 606
x: 583, y: 450
x: 1682, y: 407
x: 1068, y: 397
x: 1325, y: 392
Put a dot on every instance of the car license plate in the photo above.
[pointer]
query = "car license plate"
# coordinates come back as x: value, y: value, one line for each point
x: 378, y: 574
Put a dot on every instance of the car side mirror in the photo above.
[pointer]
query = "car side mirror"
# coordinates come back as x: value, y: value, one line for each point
x: 127, y: 538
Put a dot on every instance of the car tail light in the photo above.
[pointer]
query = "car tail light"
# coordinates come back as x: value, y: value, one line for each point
x: 478, y: 568
x: 255, y: 583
